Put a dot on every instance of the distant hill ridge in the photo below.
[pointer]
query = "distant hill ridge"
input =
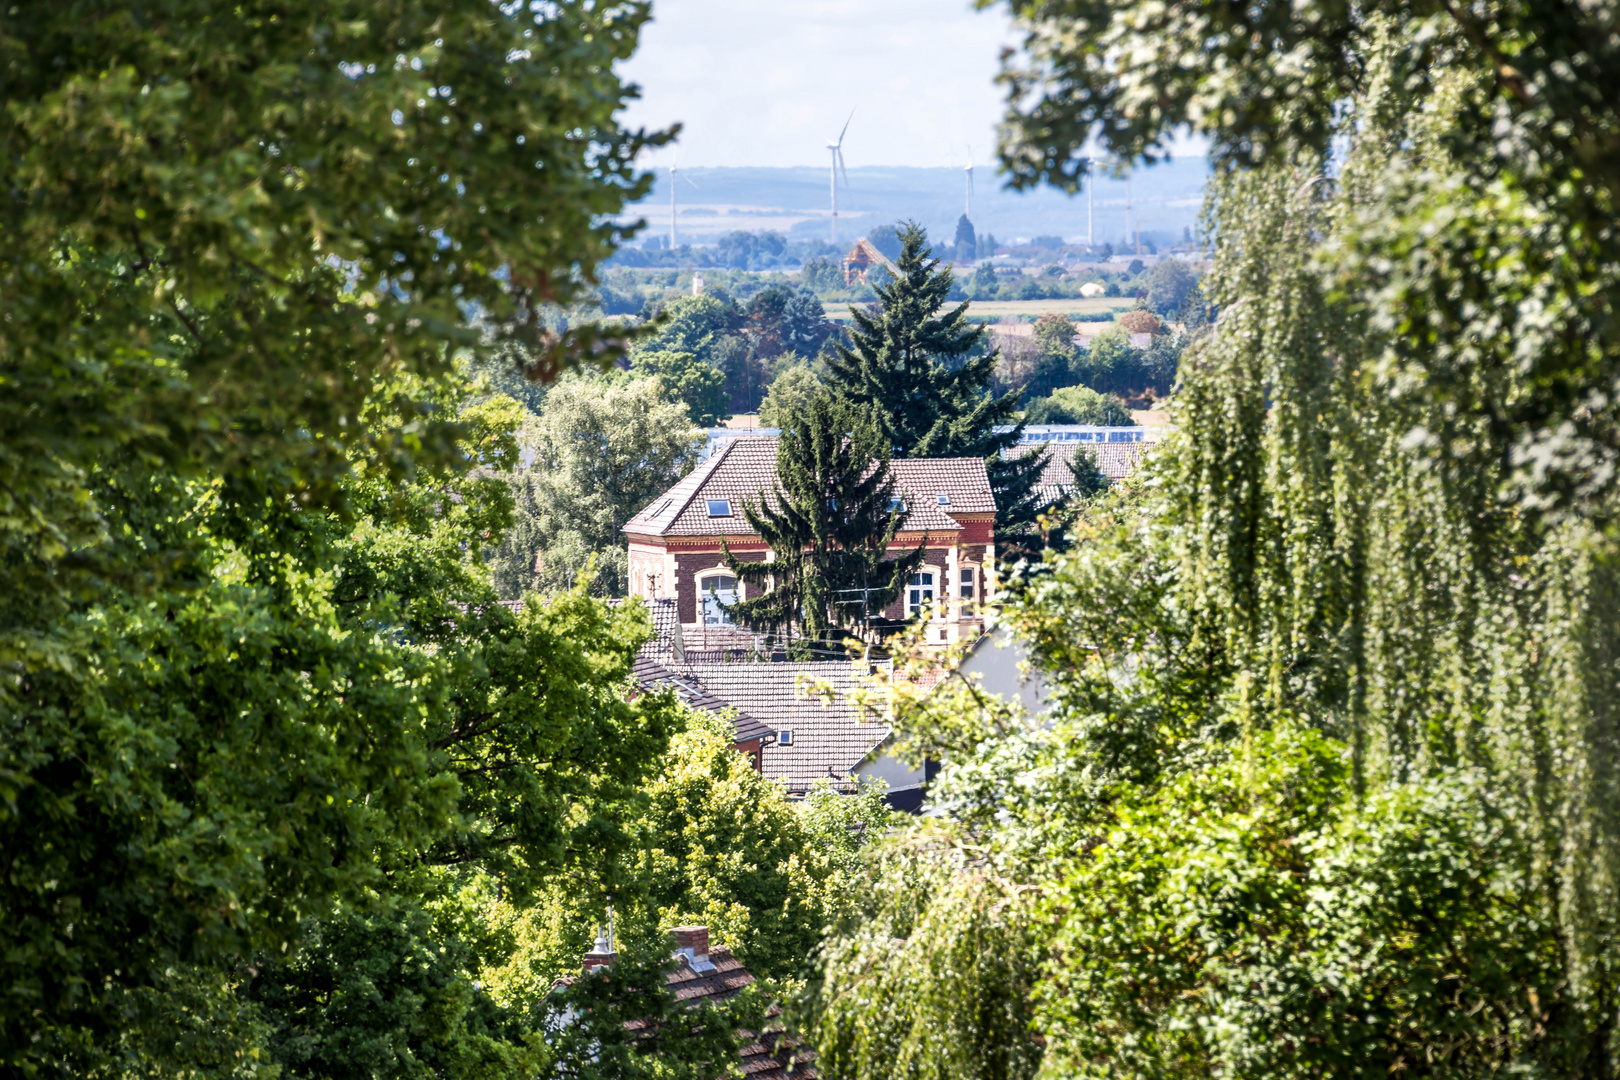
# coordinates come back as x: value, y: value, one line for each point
x: 1165, y: 200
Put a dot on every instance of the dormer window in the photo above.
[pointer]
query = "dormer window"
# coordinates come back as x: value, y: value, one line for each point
x: 784, y: 738
x: 719, y: 507
x: 944, y: 500
x: 897, y: 505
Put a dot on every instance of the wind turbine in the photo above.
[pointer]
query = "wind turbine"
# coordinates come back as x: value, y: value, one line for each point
x: 674, y: 170
x: 1091, y: 202
x: 837, y: 149
x: 969, y: 171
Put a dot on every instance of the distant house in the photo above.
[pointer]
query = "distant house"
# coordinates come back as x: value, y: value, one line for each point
x: 797, y: 722
x: 749, y: 736
x: 862, y: 258
x: 999, y: 663
x: 674, y: 544
x: 823, y: 728
x: 1116, y: 460
x: 1091, y: 288
x: 1095, y: 433
x: 703, y: 974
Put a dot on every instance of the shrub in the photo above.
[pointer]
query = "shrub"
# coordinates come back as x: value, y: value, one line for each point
x: 1079, y: 405
x: 1140, y: 322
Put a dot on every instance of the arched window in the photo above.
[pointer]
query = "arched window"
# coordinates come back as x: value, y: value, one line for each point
x: 920, y: 594
x: 719, y: 592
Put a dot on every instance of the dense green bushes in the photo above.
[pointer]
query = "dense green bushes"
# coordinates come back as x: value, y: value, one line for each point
x: 1326, y: 780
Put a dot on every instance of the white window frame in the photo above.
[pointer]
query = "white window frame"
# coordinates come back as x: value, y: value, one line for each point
x: 927, y: 607
x: 970, y: 568
x: 701, y: 579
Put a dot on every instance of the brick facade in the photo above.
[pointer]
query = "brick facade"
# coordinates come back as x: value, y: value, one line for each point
x: 675, y: 542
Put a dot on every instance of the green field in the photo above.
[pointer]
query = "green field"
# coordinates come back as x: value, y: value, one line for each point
x: 1034, y: 309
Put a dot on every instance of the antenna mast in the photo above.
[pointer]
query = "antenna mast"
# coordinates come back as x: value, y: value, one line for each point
x: 674, y: 175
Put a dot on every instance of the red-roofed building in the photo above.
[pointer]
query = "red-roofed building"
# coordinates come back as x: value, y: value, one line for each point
x: 675, y: 542
x: 704, y: 974
x: 861, y: 260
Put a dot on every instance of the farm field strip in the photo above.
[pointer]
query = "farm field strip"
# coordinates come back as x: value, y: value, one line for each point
x: 1102, y: 305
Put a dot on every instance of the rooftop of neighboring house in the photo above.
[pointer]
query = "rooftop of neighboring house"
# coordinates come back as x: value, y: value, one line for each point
x: 1116, y: 460
x: 653, y: 676
x: 935, y: 492
x: 831, y: 730
x: 714, y: 974
x: 865, y: 254
x: 665, y: 644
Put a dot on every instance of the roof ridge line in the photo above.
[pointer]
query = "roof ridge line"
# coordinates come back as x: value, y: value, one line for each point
x: 700, y: 477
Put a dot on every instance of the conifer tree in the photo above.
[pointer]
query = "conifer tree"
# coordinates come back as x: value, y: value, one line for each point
x: 929, y: 384
x: 967, y: 240
x: 829, y: 524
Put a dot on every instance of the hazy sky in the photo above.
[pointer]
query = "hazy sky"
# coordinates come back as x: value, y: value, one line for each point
x: 770, y: 82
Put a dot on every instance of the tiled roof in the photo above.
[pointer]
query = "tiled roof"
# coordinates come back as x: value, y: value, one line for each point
x: 666, y: 618
x: 740, y: 469
x: 665, y: 642
x: 963, y: 480
x: 745, y: 469
x: 831, y: 733
x: 653, y: 675
x: 767, y: 1055
x: 1116, y: 460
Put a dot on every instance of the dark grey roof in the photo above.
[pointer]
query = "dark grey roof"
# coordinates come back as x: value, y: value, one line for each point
x: 1116, y: 460
x: 665, y: 644
x: 653, y: 676
x: 831, y: 732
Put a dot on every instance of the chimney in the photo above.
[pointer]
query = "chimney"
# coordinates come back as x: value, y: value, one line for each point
x: 678, y: 644
x: 601, y: 954
x: 692, y: 943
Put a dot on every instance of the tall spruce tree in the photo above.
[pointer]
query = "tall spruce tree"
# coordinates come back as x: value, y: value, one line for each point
x: 930, y: 386
x: 829, y: 526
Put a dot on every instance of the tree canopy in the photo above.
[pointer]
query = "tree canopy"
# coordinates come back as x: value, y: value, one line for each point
x: 599, y: 451
x: 1078, y: 405
x: 247, y: 671
x: 700, y: 385
x: 829, y: 522
x: 1324, y: 779
x: 927, y: 376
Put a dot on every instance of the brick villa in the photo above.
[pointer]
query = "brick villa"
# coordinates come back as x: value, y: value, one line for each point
x: 675, y: 542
